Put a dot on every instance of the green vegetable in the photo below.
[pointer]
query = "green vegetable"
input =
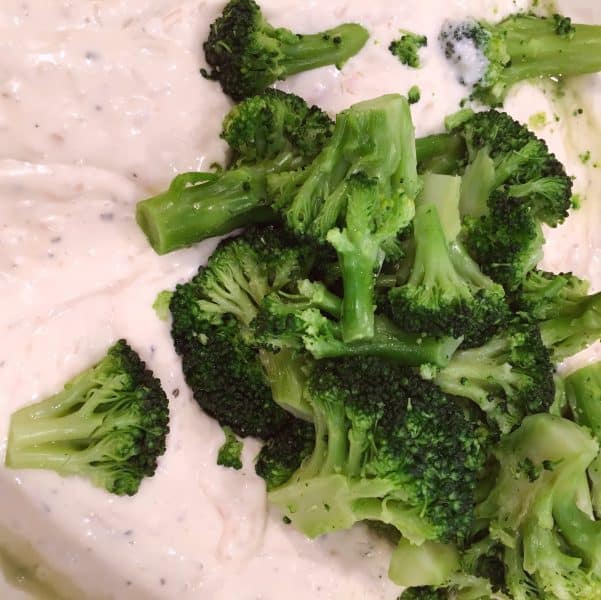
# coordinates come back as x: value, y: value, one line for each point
x: 247, y: 54
x: 407, y: 48
x: 230, y: 451
x: 523, y: 47
x: 108, y: 425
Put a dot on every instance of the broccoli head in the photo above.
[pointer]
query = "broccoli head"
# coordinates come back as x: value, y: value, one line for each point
x: 247, y: 54
x: 446, y: 293
x: 108, y: 425
x: 268, y: 133
x: 407, y: 48
x: 383, y: 451
x: 509, y: 377
x: 211, y: 314
x: 492, y: 57
x: 539, y: 511
x: 229, y: 453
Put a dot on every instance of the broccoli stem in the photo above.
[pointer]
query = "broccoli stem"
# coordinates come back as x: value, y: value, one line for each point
x: 440, y: 153
x: 390, y: 343
x: 198, y: 206
x: 537, y: 50
x: 331, y: 47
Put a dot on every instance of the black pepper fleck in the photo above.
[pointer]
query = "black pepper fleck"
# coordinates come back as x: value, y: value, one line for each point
x: 175, y: 392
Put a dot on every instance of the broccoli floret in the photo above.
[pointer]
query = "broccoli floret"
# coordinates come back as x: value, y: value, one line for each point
x: 364, y: 181
x: 511, y: 376
x: 231, y: 450
x: 568, y: 334
x: 283, y: 454
x: 407, y: 48
x: 283, y: 325
x: 539, y: 511
x: 229, y: 377
x: 583, y: 389
x: 383, y: 451
x: 518, y: 48
x: 268, y: 133
x: 446, y: 293
x: 247, y: 54
x: 423, y: 593
x: 543, y: 295
x: 108, y: 425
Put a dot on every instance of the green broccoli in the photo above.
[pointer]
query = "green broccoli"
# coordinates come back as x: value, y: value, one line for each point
x: 284, y: 325
x: 231, y: 380
x: 522, y: 46
x: 388, y: 447
x: 247, y: 54
x: 283, y: 454
x: 583, y: 389
x: 446, y: 293
x: 267, y: 133
x: 108, y: 425
x: 358, y: 195
x: 407, y: 48
x: 229, y: 453
x: 539, y: 511
x: 509, y: 377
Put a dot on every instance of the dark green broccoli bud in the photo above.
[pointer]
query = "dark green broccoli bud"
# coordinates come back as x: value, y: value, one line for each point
x: 507, y: 243
x: 583, y: 390
x: 446, y: 293
x: 230, y: 451
x: 247, y: 54
x: 364, y: 181
x: 407, y: 48
x: 566, y: 335
x: 414, y: 94
x: 108, y: 425
x: 424, y: 593
x: 518, y: 48
x: 543, y: 295
x: 283, y: 325
x: 268, y: 133
x: 511, y: 376
x: 551, y: 547
x: 231, y: 380
x: 383, y: 451
x: 283, y: 454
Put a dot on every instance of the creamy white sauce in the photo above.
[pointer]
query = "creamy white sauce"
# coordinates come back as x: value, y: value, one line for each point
x: 101, y: 103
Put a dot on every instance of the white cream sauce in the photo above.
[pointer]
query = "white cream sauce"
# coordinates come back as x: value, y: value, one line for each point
x: 101, y: 103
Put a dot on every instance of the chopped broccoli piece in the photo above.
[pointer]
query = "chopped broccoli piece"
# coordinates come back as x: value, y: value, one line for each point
x: 383, y: 451
x: 407, y: 48
x: 247, y: 54
x: 283, y: 454
x: 568, y: 334
x: 511, y: 376
x: 108, y: 425
x: 358, y: 195
x: 583, y: 390
x: 550, y: 542
x: 518, y: 48
x: 446, y: 293
x: 268, y: 133
x: 281, y: 324
x: 229, y: 377
x: 230, y: 451
x: 161, y: 304
x: 414, y: 94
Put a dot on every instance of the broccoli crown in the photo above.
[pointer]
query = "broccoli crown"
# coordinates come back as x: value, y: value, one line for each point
x: 522, y: 46
x: 551, y: 547
x: 247, y: 54
x: 446, y: 293
x: 108, y: 424
x: 383, y: 452
x: 543, y: 295
x: 407, y: 48
x: 568, y: 334
x: 283, y: 454
x: 211, y: 314
x: 522, y: 167
x: 507, y: 243
x: 231, y: 450
x: 424, y: 592
x: 509, y: 377
x: 276, y: 126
